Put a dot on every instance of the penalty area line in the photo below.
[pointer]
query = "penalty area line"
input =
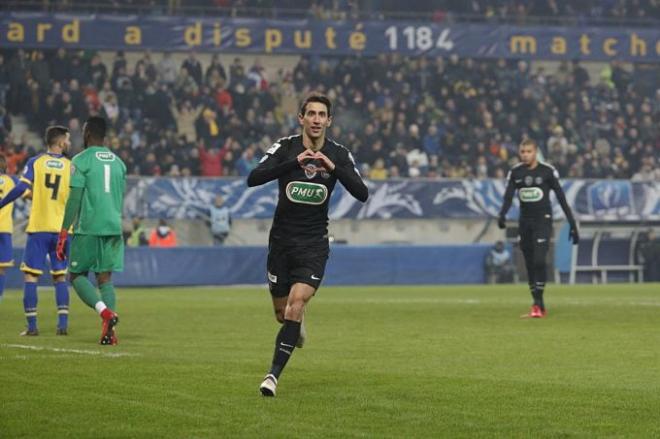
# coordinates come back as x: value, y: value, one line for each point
x: 69, y: 351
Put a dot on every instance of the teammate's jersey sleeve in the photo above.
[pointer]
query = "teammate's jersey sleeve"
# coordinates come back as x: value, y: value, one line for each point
x: 28, y: 171
x: 48, y: 175
x: 7, y: 183
x: 103, y: 176
x: 272, y: 165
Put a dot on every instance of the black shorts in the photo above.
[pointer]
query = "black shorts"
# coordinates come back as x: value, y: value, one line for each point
x: 295, y: 263
x: 535, y: 233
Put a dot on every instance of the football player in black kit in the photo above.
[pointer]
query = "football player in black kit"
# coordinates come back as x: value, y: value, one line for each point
x: 307, y: 167
x: 534, y: 180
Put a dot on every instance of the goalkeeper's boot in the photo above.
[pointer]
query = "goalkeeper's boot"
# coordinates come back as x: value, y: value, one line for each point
x: 268, y: 385
x: 110, y: 319
x: 30, y: 332
x: 303, y: 335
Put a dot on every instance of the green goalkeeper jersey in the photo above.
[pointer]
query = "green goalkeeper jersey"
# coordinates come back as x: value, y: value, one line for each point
x: 102, y: 176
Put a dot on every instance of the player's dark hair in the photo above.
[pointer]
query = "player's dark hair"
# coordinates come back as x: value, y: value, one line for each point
x: 316, y: 97
x: 54, y: 133
x: 95, y: 128
x: 3, y: 164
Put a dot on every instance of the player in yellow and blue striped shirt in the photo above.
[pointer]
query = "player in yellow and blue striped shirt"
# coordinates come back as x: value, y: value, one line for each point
x: 47, y: 175
x: 7, y: 183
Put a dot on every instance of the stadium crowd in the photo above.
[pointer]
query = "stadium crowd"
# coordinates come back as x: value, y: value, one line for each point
x: 519, y: 11
x: 402, y: 117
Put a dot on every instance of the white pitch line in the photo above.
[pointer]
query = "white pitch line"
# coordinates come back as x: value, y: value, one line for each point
x: 69, y: 351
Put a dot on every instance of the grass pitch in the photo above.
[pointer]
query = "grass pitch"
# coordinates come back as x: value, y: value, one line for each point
x: 379, y: 362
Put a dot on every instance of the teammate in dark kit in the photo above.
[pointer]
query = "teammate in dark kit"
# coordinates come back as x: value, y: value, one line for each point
x: 534, y: 180
x: 307, y: 167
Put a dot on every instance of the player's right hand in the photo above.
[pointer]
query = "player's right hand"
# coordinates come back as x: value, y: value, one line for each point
x: 305, y: 156
x: 60, y: 249
x: 501, y: 222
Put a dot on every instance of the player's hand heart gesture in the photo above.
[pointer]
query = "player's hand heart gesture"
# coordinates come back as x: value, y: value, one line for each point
x: 325, y: 161
x: 305, y: 156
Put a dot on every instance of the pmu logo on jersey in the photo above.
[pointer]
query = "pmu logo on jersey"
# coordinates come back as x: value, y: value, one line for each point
x: 105, y: 156
x: 54, y: 164
x: 530, y: 194
x: 306, y: 193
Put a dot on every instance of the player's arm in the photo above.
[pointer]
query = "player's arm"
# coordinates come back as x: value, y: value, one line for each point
x: 350, y: 178
x: 508, y: 199
x: 18, y: 190
x: 72, y: 208
x: 273, y: 165
x: 561, y: 197
x: 23, y: 184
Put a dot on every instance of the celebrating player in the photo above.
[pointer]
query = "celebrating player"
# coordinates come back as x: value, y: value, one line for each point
x: 534, y: 180
x: 98, y: 180
x: 47, y: 175
x: 307, y: 167
x: 7, y: 183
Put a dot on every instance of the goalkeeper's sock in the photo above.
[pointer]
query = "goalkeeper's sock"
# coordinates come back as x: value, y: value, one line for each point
x: 108, y: 295
x: 2, y: 286
x: 30, y: 300
x: 62, y: 301
x: 285, y: 343
x: 86, y: 291
x: 540, y: 288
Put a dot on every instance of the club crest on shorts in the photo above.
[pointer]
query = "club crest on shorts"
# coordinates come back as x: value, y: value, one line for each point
x: 529, y: 180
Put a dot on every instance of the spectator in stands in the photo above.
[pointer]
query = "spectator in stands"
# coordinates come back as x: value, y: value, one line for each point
x: 194, y: 68
x: 499, y: 265
x: 219, y: 220
x: 162, y: 236
x: 167, y: 69
x: 186, y: 116
x: 470, y: 114
x: 137, y: 235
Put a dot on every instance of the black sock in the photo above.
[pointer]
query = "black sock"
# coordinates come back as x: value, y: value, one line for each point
x: 540, y: 287
x: 285, y: 343
x: 535, y: 295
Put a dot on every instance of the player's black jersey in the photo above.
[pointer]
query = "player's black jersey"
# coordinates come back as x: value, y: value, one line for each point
x: 304, y: 193
x: 534, y: 186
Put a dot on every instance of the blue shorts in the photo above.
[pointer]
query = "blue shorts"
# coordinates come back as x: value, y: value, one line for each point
x: 40, y: 246
x: 6, y: 251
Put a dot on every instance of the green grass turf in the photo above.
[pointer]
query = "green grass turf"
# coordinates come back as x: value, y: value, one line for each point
x: 380, y: 362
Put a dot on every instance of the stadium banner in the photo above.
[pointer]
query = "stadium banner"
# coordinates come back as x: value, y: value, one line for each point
x: 189, y: 198
x: 273, y: 36
x: 245, y: 265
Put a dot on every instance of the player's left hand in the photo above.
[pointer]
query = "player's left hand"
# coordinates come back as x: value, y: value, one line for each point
x: 325, y: 161
x: 60, y: 249
x: 573, y: 234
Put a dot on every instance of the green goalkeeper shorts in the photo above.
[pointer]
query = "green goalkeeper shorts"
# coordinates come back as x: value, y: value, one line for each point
x: 98, y: 254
